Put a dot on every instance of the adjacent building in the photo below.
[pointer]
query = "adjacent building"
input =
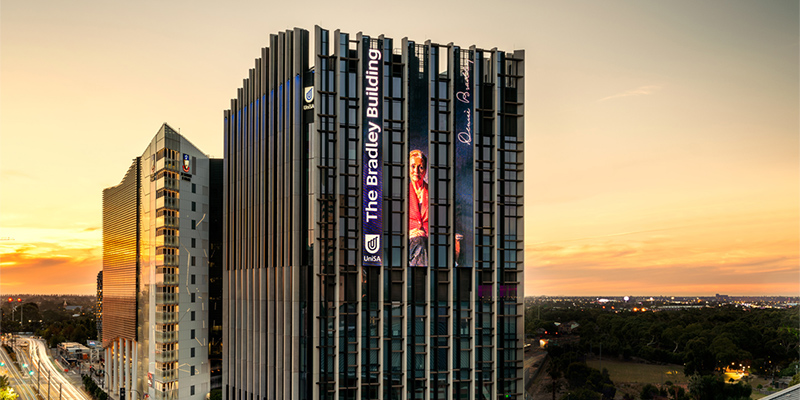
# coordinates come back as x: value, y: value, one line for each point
x: 158, y: 260
x: 98, y: 309
x: 373, y: 221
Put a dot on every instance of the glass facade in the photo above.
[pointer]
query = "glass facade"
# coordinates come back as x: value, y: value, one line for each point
x: 319, y: 305
x: 121, y: 209
x: 156, y: 242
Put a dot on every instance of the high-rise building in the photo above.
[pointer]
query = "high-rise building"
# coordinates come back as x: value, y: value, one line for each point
x: 98, y: 309
x: 373, y: 221
x: 158, y: 260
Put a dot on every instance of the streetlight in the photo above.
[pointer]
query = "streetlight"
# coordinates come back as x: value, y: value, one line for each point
x: 141, y: 395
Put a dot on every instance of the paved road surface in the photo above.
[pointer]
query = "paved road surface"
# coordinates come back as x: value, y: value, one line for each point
x: 49, y: 372
x: 16, y: 378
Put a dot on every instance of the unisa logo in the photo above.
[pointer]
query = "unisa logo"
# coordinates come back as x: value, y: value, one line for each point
x: 372, y: 243
x: 309, y: 94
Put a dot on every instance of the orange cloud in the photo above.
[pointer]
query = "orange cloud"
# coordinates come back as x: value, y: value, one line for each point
x: 640, y: 91
x: 47, y: 268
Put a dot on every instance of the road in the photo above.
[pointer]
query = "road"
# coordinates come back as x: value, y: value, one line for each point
x: 60, y: 386
x: 16, y: 378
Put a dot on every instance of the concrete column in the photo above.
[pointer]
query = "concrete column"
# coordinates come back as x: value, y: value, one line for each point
x: 112, y: 369
x: 118, y: 359
x: 127, y: 368
x: 135, y: 370
x: 107, y: 358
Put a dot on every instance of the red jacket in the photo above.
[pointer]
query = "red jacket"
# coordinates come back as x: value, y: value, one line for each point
x: 418, y: 213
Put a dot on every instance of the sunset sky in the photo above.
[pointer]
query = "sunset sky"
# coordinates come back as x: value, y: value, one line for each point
x: 662, y: 151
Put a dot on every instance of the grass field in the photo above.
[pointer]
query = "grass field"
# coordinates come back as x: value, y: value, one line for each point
x: 632, y: 372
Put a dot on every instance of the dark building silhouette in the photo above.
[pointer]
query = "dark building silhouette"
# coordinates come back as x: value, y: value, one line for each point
x: 374, y: 221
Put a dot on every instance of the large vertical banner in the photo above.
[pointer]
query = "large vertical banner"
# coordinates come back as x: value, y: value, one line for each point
x: 464, y: 160
x: 372, y: 157
x: 418, y: 204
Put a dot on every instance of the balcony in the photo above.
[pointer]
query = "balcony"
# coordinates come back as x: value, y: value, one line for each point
x: 166, y: 298
x: 167, y: 240
x: 167, y: 356
x: 166, y: 317
x: 166, y: 279
x: 167, y: 394
x: 167, y: 222
x: 166, y: 375
x: 166, y: 260
x: 166, y: 337
x: 168, y: 183
x: 167, y: 202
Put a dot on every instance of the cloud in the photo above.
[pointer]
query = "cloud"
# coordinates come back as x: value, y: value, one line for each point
x: 14, y: 173
x: 640, y: 91
x: 646, y: 262
x: 46, y: 268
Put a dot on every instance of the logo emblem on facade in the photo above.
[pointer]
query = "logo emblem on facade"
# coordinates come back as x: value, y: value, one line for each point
x: 309, y: 94
x: 185, y: 162
x: 372, y: 243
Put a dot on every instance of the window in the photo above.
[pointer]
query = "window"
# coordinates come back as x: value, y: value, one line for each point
x: 192, y: 295
x: 193, y: 371
x: 192, y: 352
x: 194, y: 206
x: 192, y: 277
x: 194, y: 188
x: 192, y: 315
x: 193, y: 261
x: 191, y: 334
x: 194, y: 242
x: 191, y: 388
x: 194, y: 223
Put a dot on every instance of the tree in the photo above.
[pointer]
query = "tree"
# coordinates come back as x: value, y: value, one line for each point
x: 649, y: 391
x: 582, y: 394
x: 710, y: 387
x: 555, y: 379
x: 699, y: 360
x: 7, y: 393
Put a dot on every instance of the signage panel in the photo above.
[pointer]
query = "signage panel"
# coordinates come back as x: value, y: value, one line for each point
x: 187, y: 162
x: 372, y: 156
x: 418, y: 203
x: 464, y: 161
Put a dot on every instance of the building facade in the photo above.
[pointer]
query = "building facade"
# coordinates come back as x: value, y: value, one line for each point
x: 98, y: 309
x: 162, y: 348
x: 373, y: 221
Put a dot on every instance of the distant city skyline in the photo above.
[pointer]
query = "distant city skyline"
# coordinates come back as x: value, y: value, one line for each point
x: 662, y: 146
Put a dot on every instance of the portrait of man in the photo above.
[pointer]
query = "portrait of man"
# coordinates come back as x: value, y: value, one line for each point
x: 418, y: 210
